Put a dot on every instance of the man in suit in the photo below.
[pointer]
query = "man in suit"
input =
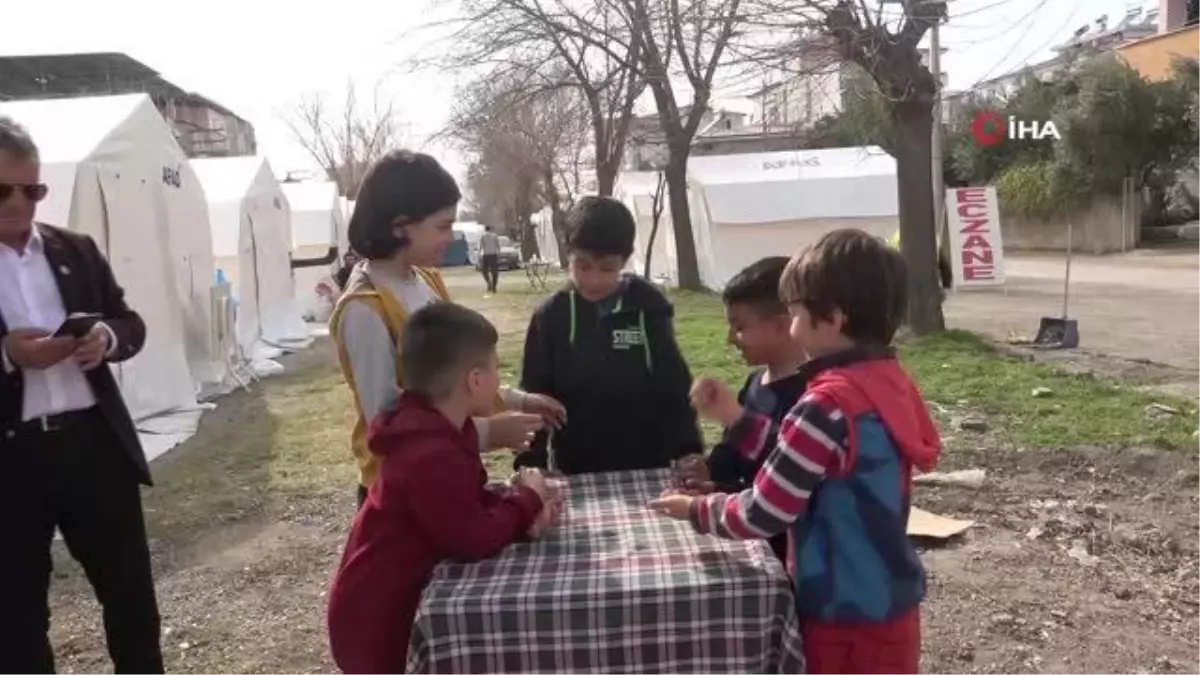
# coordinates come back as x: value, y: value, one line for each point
x: 69, y: 449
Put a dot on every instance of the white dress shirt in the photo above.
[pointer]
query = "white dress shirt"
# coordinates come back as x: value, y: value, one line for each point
x: 489, y: 243
x: 29, y: 298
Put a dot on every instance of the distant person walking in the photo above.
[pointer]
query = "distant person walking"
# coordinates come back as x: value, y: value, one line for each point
x: 489, y: 258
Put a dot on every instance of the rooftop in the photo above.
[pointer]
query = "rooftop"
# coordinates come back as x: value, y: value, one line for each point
x: 69, y: 75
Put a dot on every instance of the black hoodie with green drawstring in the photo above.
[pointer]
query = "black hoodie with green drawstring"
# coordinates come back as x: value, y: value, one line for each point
x: 616, y: 367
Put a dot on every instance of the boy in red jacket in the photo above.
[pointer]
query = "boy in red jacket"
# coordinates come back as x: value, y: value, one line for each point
x: 838, y: 475
x: 430, y: 502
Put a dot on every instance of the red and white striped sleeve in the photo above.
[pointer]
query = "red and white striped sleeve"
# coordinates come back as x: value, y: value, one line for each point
x: 811, y: 439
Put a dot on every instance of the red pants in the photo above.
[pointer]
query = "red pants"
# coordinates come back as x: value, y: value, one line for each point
x: 891, y: 647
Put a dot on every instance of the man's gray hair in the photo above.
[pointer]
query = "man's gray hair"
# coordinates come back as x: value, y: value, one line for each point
x: 15, y: 139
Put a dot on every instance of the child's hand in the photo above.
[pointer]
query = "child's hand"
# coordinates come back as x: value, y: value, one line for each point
x: 714, y: 400
x: 691, y: 475
x: 677, y: 506
x: 551, y: 411
x: 513, y: 429
x: 534, y: 480
x: 545, y: 520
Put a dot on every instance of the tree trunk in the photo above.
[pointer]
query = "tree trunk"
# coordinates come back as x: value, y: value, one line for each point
x: 558, y: 220
x: 523, y: 212
x: 656, y: 208
x: 681, y: 218
x: 606, y: 177
x: 918, y: 232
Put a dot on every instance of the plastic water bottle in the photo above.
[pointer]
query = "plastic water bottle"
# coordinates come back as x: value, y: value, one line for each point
x: 220, y: 276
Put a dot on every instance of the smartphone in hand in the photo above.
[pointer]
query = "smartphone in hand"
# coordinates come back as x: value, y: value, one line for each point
x: 77, y: 325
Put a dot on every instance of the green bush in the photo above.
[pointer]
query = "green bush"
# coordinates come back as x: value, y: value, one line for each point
x: 1024, y: 190
x: 1041, y: 189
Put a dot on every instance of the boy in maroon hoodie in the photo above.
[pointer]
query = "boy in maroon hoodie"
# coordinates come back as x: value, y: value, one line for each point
x: 430, y: 502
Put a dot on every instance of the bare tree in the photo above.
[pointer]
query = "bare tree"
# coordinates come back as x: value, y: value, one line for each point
x: 656, y: 208
x: 691, y: 38
x: 883, y: 37
x: 525, y: 40
x: 345, y: 142
x: 529, y: 143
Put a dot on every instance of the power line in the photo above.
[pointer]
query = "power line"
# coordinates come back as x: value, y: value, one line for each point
x: 1052, y: 37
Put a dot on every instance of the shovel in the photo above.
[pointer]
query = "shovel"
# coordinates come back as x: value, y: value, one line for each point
x: 1060, y: 332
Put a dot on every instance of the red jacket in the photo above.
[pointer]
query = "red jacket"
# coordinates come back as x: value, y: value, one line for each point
x: 429, y: 504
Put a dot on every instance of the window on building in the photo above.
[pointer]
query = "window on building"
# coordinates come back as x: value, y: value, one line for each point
x: 1192, y: 15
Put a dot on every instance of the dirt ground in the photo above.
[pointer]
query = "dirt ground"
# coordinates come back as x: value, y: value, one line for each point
x: 1080, y: 561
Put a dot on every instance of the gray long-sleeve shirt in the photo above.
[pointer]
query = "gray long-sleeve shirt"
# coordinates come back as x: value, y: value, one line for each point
x: 372, y: 352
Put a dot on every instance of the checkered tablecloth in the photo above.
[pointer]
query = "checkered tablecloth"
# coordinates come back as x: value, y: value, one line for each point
x: 617, y: 588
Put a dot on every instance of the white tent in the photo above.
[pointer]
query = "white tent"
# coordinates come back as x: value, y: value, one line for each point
x: 746, y: 207
x: 640, y: 191
x: 547, y: 241
x: 346, y: 207
x: 318, y: 218
x: 116, y: 173
x: 251, y: 242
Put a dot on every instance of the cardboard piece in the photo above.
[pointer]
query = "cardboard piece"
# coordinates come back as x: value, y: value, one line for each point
x: 970, y: 478
x: 922, y: 523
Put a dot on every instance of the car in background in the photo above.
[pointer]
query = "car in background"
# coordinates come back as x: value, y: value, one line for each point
x: 509, y: 257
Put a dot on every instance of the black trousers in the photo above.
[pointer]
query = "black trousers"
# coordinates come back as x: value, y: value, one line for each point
x: 79, y: 479
x: 490, y: 263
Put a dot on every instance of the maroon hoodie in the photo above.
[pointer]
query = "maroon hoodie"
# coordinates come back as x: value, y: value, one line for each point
x: 428, y: 504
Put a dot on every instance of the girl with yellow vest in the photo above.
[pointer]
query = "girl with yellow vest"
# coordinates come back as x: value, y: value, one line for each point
x: 402, y: 226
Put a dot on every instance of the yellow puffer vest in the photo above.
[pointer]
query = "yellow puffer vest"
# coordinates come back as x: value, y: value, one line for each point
x: 394, y: 316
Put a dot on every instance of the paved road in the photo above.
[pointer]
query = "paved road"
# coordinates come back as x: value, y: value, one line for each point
x: 1143, y: 305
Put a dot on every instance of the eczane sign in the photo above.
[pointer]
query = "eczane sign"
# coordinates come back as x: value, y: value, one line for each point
x: 975, y: 244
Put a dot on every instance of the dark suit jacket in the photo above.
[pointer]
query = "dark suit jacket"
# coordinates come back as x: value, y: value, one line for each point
x: 86, y: 284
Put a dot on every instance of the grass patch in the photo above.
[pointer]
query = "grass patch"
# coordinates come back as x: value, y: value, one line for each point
x: 287, y: 440
x: 1081, y: 409
x: 951, y: 368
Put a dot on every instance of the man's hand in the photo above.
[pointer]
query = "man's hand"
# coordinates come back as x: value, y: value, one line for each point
x: 513, y: 429
x: 93, y: 347
x: 714, y: 400
x: 551, y: 411
x: 677, y: 506
x: 34, y: 349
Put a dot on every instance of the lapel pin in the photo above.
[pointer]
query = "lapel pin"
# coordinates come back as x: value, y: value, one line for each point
x: 64, y: 269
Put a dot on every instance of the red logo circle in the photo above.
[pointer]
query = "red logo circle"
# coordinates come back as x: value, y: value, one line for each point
x: 989, y: 128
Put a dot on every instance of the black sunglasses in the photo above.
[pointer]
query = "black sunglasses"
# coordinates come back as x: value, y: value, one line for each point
x: 34, y: 193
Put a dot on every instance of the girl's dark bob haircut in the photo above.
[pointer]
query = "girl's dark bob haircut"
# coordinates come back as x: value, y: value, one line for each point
x: 402, y: 187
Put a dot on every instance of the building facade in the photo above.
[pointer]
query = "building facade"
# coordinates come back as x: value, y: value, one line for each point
x: 202, y: 127
x: 721, y: 132
x: 1177, y: 36
x: 1094, y: 38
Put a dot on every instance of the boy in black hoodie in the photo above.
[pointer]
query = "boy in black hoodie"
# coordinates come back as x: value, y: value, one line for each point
x: 605, y: 347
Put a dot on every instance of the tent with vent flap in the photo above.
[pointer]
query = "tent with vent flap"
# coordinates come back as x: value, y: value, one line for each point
x: 251, y: 243
x: 747, y: 207
x: 116, y: 173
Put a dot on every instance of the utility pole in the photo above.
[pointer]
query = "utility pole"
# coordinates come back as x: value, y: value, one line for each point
x: 939, y: 179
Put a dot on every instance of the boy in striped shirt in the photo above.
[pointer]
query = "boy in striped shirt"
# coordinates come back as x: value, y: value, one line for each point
x: 838, y: 475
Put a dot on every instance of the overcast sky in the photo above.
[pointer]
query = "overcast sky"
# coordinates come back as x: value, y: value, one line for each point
x: 259, y: 57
